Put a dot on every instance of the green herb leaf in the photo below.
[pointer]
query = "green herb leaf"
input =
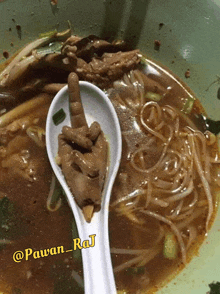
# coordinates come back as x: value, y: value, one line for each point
x: 57, y: 193
x: 215, y: 288
x: 188, y: 105
x: 153, y: 96
x: 77, y: 255
x: 170, y: 249
x: 6, y: 214
x: 59, y: 117
x: 140, y: 270
x: 11, y: 225
x: 48, y: 34
x: 143, y: 60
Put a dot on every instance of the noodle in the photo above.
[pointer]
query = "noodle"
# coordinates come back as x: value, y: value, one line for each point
x: 168, y: 171
x: 52, y: 197
x: 173, y: 167
x: 183, y: 194
x: 173, y: 228
x: 203, y: 179
x: 159, y: 113
x: 142, y: 259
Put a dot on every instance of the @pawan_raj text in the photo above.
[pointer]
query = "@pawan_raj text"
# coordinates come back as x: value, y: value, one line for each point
x: 29, y: 252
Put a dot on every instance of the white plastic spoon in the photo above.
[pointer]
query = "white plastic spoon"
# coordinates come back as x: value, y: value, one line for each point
x: 97, y: 266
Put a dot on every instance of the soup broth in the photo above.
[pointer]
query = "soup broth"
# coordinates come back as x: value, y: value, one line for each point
x: 163, y: 200
x: 144, y: 208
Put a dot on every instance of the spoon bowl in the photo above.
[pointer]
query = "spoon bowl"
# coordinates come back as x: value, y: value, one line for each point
x: 97, y: 266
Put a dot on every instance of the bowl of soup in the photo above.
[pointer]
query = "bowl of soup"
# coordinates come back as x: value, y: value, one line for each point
x: 159, y: 65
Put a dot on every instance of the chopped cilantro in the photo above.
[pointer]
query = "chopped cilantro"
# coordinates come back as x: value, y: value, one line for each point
x: 59, y: 117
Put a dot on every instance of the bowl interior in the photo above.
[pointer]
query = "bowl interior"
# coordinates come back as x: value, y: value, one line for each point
x: 189, y: 36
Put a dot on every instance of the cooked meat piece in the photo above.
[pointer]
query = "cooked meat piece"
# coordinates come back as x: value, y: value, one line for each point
x: 93, y: 59
x: 77, y: 114
x: 87, y: 167
x: 76, y: 137
x: 99, y: 155
x: 65, y: 149
x: 52, y: 88
x: 82, y: 136
x: 94, y: 131
x: 83, y: 154
x: 100, y: 70
x: 68, y: 48
x: 88, y: 212
x: 86, y: 189
x: 71, y: 40
x: 109, y: 67
x: 115, y: 65
x: 91, y: 46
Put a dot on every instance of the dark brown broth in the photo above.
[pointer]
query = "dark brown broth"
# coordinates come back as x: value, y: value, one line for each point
x: 39, y: 229
x: 124, y: 233
x: 43, y: 229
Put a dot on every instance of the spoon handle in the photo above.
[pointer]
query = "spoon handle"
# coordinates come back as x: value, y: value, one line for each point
x: 97, y: 266
x: 94, y: 243
x: 98, y: 272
